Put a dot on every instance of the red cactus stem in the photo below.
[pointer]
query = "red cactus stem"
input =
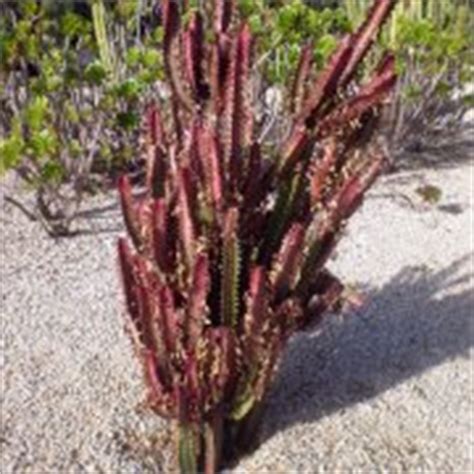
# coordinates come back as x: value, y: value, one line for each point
x: 228, y: 132
x: 213, y: 434
x: 327, y: 82
x: 180, y: 400
x: 293, y: 149
x: 197, y: 308
x: 169, y: 318
x: 158, y: 397
x: 144, y: 306
x: 189, y: 158
x: 152, y: 319
x: 160, y: 228
x: 190, y: 56
x: 224, y: 10
x: 194, y: 55
x: 289, y: 259
x: 144, y: 214
x: 370, y: 95
x: 192, y: 387
x: 342, y: 206
x: 227, y: 375
x: 128, y: 279
x: 172, y: 181
x: 163, y: 356
x: 289, y: 316
x: 244, y: 115
x: 207, y: 353
x: 301, y: 78
x: 320, y: 172
x: 351, y: 193
x: 211, y: 166
x: 155, y: 128
x: 237, y: 116
x: 375, y: 167
x: 387, y: 65
x: 156, y: 172
x: 327, y: 291
x: 319, y: 250
x: 257, y: 301
x: 171, y: 23
x: 350, y: 197
x: 186, y: 224
x: 215, y: 78
x: 173, y: 64
x: 273, y: 353
x: 366, y: 34
x: 222, y: 376
x: 129, y: 212
x: 254, y: 169
x: 156, y: 166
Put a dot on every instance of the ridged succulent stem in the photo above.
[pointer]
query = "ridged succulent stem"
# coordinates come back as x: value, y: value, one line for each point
x: 213, y: 438
x: 100, y: 31
x: 230, y: 269
x: 187, y: 449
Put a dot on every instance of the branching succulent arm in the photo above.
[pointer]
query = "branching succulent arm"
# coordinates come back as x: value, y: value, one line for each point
x: 228, y: 246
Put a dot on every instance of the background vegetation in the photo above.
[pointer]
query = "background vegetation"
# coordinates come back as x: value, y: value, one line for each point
x: 75, y: 77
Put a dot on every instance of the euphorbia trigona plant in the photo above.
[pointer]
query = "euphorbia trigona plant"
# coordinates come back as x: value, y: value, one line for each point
x: 229, y: 243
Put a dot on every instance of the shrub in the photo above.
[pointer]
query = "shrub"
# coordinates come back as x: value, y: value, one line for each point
x: 229, y: 242
x: 74, y: 85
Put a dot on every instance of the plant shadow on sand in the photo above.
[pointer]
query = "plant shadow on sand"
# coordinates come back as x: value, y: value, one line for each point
x: 417, y: 321
x: 454, y: 151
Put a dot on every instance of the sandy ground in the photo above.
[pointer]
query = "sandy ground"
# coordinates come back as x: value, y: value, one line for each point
x: 385, y: 389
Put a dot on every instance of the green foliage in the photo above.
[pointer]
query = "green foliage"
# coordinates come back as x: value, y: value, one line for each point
x: 283, y: 28
x: 100, y: 30
x: 36, y: 113
x: 79, y: 73
x: 95, y: 73
x: 10, y: 152
x: 72, y: 90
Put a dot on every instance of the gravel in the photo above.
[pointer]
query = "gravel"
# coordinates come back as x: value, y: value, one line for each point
x: 387, y: 388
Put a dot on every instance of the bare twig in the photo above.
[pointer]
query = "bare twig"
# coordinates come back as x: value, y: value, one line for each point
x: 14, y: 202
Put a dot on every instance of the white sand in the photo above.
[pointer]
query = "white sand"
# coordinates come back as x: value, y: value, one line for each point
x: 387, y: 389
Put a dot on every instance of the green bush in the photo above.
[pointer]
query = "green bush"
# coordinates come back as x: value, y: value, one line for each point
x: 75, y: 77
x: 74, y: 86
x: 284, y: 27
